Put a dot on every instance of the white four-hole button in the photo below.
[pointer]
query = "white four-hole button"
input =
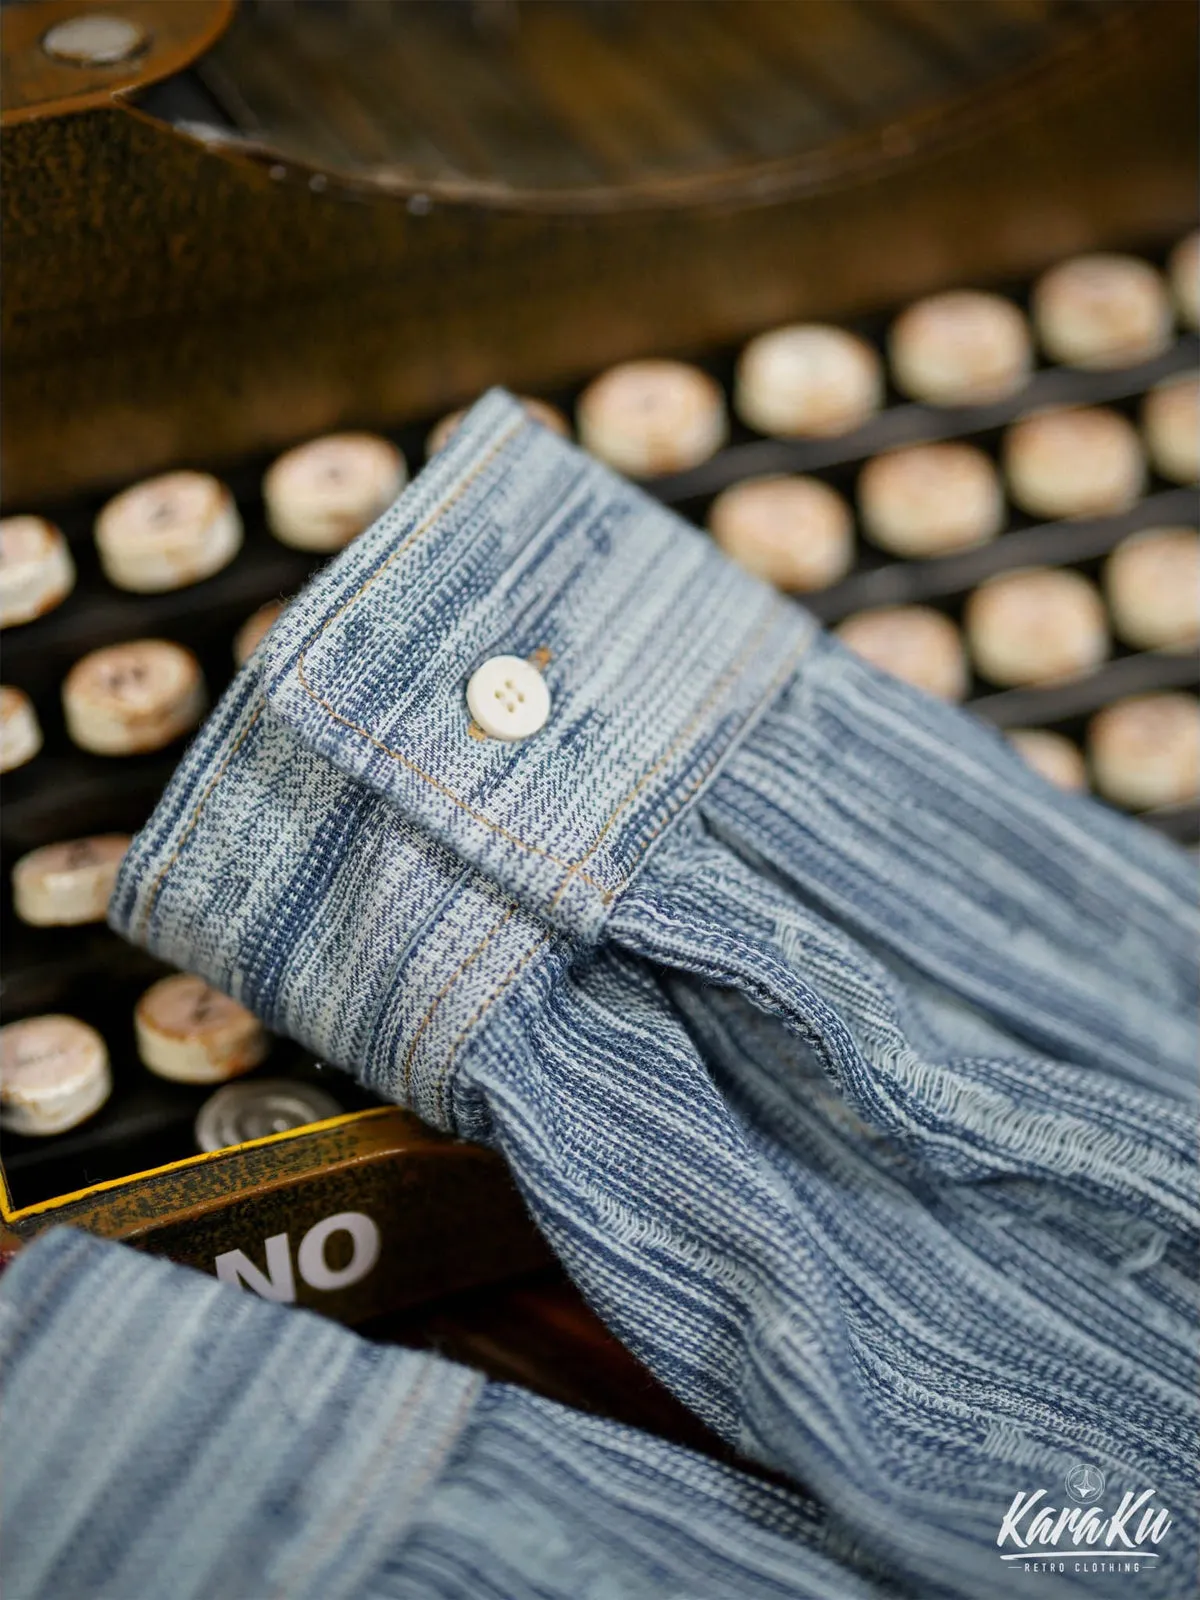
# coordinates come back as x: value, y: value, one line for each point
x: 508, y: 698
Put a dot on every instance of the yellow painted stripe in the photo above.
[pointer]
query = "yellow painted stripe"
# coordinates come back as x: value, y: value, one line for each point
x: 8, y: 1214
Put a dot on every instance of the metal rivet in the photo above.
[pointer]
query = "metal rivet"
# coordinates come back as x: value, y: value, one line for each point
x: 94, y: 41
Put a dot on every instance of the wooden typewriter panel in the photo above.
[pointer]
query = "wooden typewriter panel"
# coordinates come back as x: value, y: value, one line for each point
x: 355, y: 213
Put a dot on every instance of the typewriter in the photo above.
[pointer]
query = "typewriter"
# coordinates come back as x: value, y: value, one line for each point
x: 229, y: 229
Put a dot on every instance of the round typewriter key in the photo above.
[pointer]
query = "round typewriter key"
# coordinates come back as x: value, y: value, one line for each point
x: 1145, y: 750
x: 1036, y: 625
x: 1171, y: 420
x: 807, y: 380
x: 651, y: 417
x: 36, y: 570
x: 1058, y: 760
x: 255, y: 1110
x: 190, y: 1032
x: 322, y: 494
x: 20, y: 731
x: 63, y: 885
x: 1074, y: 462
x: 795, y: 532
x: 168, y: 532
x: 1102, y: 311
x: 54, y: 1074
x: 540, y: 411
x: 1184, y: 271
x: 133, y: 697
x: 915, y: 643
x: 960, y: 348
x: 1152, y: 580
x: 255, y: 629
x: 929, y: 499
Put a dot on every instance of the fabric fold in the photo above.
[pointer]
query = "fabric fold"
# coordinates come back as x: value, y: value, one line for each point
x: 168, y: 1435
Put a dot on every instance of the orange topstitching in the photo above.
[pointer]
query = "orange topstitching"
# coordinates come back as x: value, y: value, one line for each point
x: 445, y: 990
x: 573, y: 869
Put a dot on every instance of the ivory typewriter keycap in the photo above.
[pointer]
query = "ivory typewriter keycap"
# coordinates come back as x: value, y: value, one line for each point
x: 508, y: 698
x: 1102, y: 311
x: 1074, y: 462
x: 133, y: 697
x: 63, y: 885
x: 255, y: 1110
x: 54, y: 1074
x: 255, y: 629
x: 1036, y: 625
x: 795, y: 532
x: 36, y: 570
x: 1184, y: 271
x: 929, y: 499
x: 540, y: 411
x: 168, y: 532
x: 192, y: 1033
x: 651, y: 417
x: 1058, y: 760
x: 1171, y: 421
x: 915, y: 643
x: 807, y: 380
x: 20, y: 731
x: 1152, y: 580
x: 1145, y: 750
x: 322, y: 494
x: 960, y: 348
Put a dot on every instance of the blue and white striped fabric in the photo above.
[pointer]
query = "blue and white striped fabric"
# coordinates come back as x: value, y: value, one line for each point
x: 167, y: 1438
x: 847, y: 1067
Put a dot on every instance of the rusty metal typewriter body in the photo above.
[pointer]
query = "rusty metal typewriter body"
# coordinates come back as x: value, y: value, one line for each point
x: 279, y: 219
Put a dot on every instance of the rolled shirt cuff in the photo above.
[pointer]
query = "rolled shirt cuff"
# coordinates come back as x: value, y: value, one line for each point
x: 343, y: 852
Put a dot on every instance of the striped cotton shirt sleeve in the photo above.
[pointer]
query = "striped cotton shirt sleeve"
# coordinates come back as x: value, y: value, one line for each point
x: 847, y: 1067
x: 167, y: 1436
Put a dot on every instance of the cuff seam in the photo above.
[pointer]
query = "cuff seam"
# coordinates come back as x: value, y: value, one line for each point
x: 477, y: 1016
